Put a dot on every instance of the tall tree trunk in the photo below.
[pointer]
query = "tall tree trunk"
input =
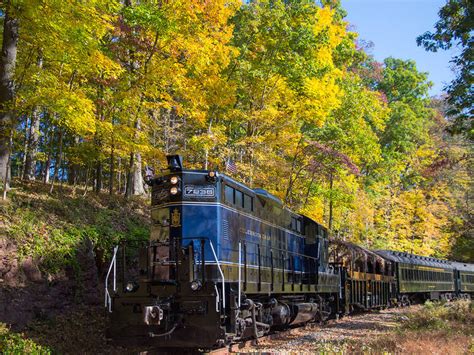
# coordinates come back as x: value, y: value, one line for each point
x: 30, y: 163
x: 134, y: 176
x: 33, y: 142
x: 47, y: 166
x: 21, y: 171
x: 129, y: 187
x: 112, y: 170
x: 58, y: 160
x: 293, y: 166
x: 8, y: 169
x: 138, y: 187
x: 119, y: 177
x: 98, y: 177
x: 331, y: 184
x: 74, y: 169
x: 87, y: 180
x: 7, y: 89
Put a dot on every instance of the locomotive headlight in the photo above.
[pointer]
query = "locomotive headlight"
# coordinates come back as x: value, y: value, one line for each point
x: 174, y: 180
x: 174, y: 190
x: 212, y: 176
x: 196, y: 285
x: 131, y: 286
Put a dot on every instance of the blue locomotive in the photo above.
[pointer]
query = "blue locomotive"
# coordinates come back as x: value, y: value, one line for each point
x: 226, y: 262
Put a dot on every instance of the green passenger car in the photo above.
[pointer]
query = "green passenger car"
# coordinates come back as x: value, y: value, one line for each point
x: 465, y: 279
x: 421, y: 277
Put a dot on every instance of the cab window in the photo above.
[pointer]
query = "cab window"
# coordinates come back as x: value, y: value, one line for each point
x: 239, y: 198
x: 248, y: 202
x: 229, y: 194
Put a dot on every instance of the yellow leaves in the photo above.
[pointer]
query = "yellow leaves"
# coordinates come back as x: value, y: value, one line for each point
x: 416, y: 220
x: 314, y: 208
x: 334, y: 33
x: 105, y: 66
x: 322, y: 95
x: 72, y: 109
x: 207, y: 141
x: 325, y: 19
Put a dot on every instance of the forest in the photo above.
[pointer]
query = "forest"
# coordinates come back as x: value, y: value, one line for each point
x: 94, y: 94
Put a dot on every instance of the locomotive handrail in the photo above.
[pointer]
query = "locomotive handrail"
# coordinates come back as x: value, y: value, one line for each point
x: 217, y: 263
x: 222, y: 274
x: 113, y: 266
x: 240, y: 272
x: 217, y: 298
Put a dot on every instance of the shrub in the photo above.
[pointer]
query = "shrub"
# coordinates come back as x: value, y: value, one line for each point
x: 461, y: 311
x: 437, y: 315
x: 14, y: 343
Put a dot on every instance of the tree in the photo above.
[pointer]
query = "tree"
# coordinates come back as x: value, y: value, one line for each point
x: 172, y: 55
x: 454, y: 29
x: 285, y: 78
x: 7, y: 88
x: 407, y: 129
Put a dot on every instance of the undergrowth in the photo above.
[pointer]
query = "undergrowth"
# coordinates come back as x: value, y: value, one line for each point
x: 435, y: 327
x: 16, y: 343
x: 441, y: 315
x: 52, y: 227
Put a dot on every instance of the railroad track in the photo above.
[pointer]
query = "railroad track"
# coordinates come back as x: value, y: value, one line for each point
x: 238, y: 347
x: 246, y: 344
x: 234, y: 348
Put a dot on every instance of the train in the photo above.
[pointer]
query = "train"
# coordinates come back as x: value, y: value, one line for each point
x: 226, y: 263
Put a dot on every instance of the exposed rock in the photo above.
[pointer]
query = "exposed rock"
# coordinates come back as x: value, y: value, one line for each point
x: 31, y: 270
x: 9, y: 265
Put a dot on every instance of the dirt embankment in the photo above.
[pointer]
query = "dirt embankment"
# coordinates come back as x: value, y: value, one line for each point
x: 53, y: 253
x: 28, y: 294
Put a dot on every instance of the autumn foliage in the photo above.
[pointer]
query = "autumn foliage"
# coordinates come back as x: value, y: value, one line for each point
x: 105, y: 89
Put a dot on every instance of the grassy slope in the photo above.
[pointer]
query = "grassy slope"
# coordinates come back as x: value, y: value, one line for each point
x: 434, y: 328
x: 50, y: 227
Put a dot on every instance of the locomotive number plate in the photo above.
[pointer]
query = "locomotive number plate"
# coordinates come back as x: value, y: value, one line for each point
x: 199, y: 191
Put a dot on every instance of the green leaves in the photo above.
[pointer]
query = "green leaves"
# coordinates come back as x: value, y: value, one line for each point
x: 455, y: 28
x: 148, y: 15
